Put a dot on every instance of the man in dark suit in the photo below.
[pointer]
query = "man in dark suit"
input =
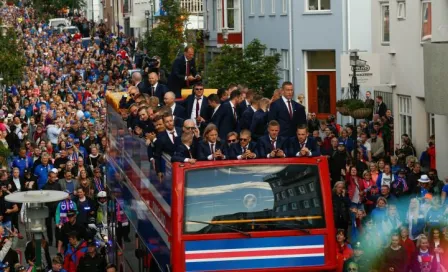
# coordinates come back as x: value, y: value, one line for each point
x: 380, y: 107
x: 272, y: 145
x: 166, y: 141
x: 155, y: 88
x: 259, y: 122
x: 244, y: 149
x: 215, y: 110
x: 176, y: 109
x: 230, y: 119
x: 183, y: 72
x: 145, y: 123
x: 301, y: 145
x: 288, y: 113
x: 185, y: 151
x: 137, y: 80
x: 248, y: 114
x: 196, y: 105
x: 247, y: 100
x: 210, y: 149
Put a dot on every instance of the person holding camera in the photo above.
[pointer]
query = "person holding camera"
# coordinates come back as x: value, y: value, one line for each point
x: 183, y: 73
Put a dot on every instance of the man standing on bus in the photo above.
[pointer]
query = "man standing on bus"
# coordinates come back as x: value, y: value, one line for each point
x: 272, y: 145
x: 302, y: 145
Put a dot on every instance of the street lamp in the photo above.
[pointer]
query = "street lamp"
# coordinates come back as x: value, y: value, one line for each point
x: 36, y: 213
x: 225, y: 34
x: 147, y: 13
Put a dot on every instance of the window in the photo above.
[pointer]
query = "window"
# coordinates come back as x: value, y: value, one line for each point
x: 401, y: 10
x: 318, y: 5
x: 302, y: 190
x: 432, y: 124
x: 284, y: 6
x: 272, y: 52
x: 219, y: 15
x: 243, y: 194
x: 385, y: 24
x: 405, y: 114
x: 291, y: 192
x: 283, y: 194
x: 273, y: 2
x: 285, y: 65
x: 426, y: 21
x: 311, y: 186
x: 321, y: 60
x: 252, y: 7
x: 262, y: 7
x: 231, y: 14
x: 316, y: 202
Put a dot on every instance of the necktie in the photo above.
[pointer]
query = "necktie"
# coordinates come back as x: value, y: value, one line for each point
x: 153, y: 90
x: 302, y: 145
x: 173, y: 136
x: 197, y: 106
x: 212, y: 148
x: 187, y: 73
x: 290, y: 109
x: 234, y: 113
x: 189, y: 152
x: 273, y: 144
x: 244, y: 150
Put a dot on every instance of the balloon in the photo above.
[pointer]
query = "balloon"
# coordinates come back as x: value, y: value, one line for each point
x: 87, y: 115
x: 80, y: 114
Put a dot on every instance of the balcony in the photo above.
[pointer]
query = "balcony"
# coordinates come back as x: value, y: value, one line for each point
x: 193, y: 7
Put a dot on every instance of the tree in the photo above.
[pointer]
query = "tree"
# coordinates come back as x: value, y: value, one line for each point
x: 52, y: 8
x: 167, y: 39
x: 247, y: 66
x: 11, y: 58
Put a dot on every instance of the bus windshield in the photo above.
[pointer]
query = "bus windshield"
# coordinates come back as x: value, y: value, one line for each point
x: 253, y: 198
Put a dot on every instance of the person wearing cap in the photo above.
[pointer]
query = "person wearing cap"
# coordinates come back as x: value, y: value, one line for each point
x: 76, y: 249
x: 22, y: 161
x: 424, y: 186
x: 92, y: 261
x: 337, y: 160
x: 358, y: 258
x: 400, y: 185
x: 61, y: 214
x: 69, y: 227
x: 79, y: 147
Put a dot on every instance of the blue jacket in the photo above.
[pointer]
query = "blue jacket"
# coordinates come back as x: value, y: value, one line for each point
x: 41, y: 172
x: 22, y: 164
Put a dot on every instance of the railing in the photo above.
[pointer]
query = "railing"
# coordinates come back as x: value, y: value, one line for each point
x: 194, y: 7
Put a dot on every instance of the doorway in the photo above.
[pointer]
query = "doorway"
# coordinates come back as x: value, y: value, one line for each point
x: 322, y: 93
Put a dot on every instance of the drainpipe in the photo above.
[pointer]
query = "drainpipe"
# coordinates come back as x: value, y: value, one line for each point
x: 291, y: 36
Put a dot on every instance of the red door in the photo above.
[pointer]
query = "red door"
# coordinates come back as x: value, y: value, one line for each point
x: 322, y: 93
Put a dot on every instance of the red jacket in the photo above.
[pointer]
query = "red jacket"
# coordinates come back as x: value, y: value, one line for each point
x: 432, y: 156
x: 351, y: 187
x: 73, y: 255
x: 343, y: 253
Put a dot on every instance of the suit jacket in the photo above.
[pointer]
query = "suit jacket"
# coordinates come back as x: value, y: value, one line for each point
x: 176, y: 80
x: 279, y: 111
x: 189, y: 103
x: 236, y: 150
x: 163, y: 144
x: 258, y: 124
x: 227, y: 123
x: 160, y: 91
x: 246, y: 118
x: 294, y: 147
x: 242, y: 107
x: 216, y: 117
x: 381, y: 109
x: 141, y: 86
x: 179, y: 111
x: 182, y: 152
x: 264, y: 147
x: 203, y: 150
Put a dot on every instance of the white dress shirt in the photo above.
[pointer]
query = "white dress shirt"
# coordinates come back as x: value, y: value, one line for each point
x: 193, y: 111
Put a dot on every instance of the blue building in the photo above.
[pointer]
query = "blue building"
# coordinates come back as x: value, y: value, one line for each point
x: 309, y: 36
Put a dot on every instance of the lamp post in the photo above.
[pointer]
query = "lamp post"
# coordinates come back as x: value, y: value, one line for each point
x: 36, y: 213
x: 1, y: 88
x: 147, y: 13
x: 225, y: 34
x: 355, y: 62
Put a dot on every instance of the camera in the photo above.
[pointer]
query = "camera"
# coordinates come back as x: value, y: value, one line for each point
x: 150, y: 63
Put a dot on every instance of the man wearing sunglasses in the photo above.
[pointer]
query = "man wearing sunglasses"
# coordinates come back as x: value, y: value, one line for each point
x: 197, y: 106
x: 133, y: 94
x: 245, y: 149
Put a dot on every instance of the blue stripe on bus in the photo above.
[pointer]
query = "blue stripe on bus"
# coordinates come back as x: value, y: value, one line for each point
x: 255, y: 264
x: 254, y: 242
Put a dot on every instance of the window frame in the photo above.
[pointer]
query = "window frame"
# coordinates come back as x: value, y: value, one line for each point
x: 424, y: 3
x: 405, y: 115
x: 219, y: 16
x: 273, y: 3
x: 285, y: 64
x: 319, y: 7
x: 382, y: 5
x: 401, y: 10
x: 251, y: 6
x: 284, y: 7
x: 262, y: 8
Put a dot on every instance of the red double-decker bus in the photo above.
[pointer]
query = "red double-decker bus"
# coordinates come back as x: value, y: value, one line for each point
x: 231, y: 215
